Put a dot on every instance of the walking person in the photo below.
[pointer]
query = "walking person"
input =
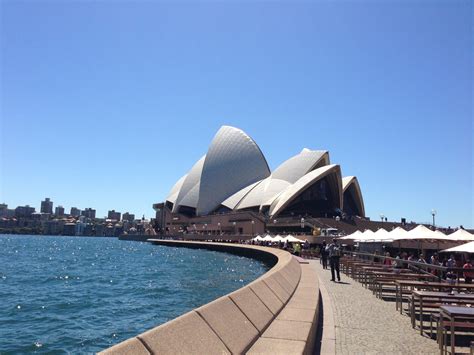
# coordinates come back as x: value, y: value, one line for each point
x: 334, y: 252
x: 297, y: 249
x: 324, y: 255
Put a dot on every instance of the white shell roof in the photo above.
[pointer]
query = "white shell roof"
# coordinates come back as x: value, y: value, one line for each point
x: 191, y: 198
x: 232, y: 162
x: 173, y: 194
x: 192, y: 179
x: 233, y: 200
x: 348, y: 181
x: 286, y: 174
x: 266, y: 190
x: 234, y: 173
x: 295, y: 167
x: 299, y: 186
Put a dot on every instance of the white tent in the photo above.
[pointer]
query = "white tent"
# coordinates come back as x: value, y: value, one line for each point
x: 267, y: 238
x: 397, y: 233
x: 278, y: 238
x: 464, y: 248
x: 382, y: 235
x: 441, y: 236
x: 368, y: 235
x: 354, y: 235
x: 257, y: 238
x: 291, y: 239
x: 462, y: 234
x: 421, y: 233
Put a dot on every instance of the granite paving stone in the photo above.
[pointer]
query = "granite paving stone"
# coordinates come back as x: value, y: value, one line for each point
x: 365, y: 324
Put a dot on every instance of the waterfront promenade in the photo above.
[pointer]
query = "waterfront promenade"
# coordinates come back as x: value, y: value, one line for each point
x: 356, y: 322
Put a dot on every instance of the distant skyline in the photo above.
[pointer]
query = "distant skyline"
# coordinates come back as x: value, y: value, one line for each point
x: 67, y: 210
x: 106, y: 104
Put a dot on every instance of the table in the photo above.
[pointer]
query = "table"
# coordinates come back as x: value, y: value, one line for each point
x: 451, y: 313
x: 438, y: 298
x: 425, y: 285
x: 380, y: 279
x: 366, y: 270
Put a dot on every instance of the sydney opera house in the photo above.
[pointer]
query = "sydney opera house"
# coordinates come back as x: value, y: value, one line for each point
x: 231, y: 190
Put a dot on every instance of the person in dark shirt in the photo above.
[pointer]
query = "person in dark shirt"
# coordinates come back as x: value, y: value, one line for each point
x: 324, y: 256
x: 334, y: 253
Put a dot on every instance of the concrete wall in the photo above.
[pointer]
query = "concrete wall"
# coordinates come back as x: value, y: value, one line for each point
x: 277, y: 313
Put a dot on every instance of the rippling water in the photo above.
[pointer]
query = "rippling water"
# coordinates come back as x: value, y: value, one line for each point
x: 74, y: 294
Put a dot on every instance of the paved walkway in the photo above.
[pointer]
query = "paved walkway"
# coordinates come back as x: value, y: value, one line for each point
x: 365, y: 324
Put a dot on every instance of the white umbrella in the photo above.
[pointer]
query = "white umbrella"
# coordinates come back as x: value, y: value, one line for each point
x: 464, y: 248
x: 382, y: 235
x: 267, y: 238
x: 397, y: 233
x: 278, y: 238
x: 290, y: 239
x: 420, y: 233
x: 462, y: 234
x: 441, y: 236
x: 354, y: 235
x: 366, y: 236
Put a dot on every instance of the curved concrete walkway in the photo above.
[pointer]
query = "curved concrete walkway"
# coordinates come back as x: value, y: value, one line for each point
x: 364, y: 324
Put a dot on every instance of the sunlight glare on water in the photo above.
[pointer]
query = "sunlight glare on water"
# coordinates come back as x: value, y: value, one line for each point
x: 78, y: 294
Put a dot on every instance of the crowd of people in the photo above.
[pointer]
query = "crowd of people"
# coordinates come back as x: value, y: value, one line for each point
x: 452, y: 264
x: 330, y: 257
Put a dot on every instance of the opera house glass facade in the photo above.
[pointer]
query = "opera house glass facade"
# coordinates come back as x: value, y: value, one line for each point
x: 234, y: 177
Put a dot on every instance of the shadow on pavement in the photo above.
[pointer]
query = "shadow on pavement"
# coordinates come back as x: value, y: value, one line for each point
x: 319, y: 332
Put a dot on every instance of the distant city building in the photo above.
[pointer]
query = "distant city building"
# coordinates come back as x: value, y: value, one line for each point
x: 69, y: 229
x: 53, y: 227
x: 75, y: 212
x: 89, y: 213
x: 59, y: 211
x: 128, y: 217
x: 99, y: 230
x: 38, y: 216
x: 80, y: 227
x: 5, y: 211
x: 114, y: 215
x: 47, y: 206
x: 24, y: 211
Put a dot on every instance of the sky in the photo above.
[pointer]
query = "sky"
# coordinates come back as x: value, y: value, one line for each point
x: 105, y: 104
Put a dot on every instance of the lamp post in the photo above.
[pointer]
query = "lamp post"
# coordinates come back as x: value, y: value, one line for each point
x: 219, y: 227
x: 433, y: 213
x: 302, y: 223
x: 253, y: 224
x: 233, y: 223
x: 382, y: 216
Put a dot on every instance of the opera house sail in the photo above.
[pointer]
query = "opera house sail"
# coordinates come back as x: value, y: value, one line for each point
x: 233, y: 176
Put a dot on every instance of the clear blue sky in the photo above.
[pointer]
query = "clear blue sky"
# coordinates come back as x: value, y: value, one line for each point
x: 106, y: 104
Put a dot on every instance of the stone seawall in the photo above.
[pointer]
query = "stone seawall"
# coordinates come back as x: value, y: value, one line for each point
x: 277, y: 313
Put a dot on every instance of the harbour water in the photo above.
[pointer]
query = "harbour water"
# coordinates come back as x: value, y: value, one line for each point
x: 75, y: 294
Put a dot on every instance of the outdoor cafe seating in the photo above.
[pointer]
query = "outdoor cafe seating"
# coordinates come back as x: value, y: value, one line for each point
x: 438, y: 308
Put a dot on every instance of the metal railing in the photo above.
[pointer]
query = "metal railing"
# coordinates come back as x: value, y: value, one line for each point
x: 421, y: 267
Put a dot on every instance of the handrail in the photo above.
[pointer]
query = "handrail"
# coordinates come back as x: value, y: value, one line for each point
x: 418, y: 265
